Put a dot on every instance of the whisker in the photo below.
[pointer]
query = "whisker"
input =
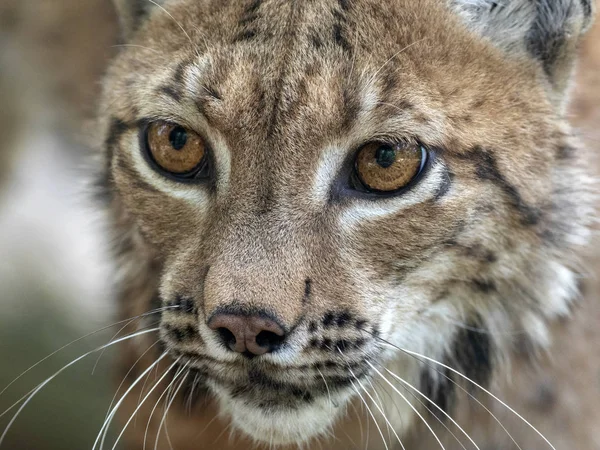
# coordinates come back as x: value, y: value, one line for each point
x: 106, y: 425
x: 140, y: 404
x: 78, y: 340
x: 126, y: 376
x: 432, y: 403
x: 471, y: 396
x: 164, y: 417
x: 409, y: 404
x: 372, y: 416
x: 389, y: 425
x: 117, y: 334
x: 478, y: 386
x: 326, y: 387
x: 29, y: 396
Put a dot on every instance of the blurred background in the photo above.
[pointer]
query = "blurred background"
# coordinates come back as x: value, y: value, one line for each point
x: 55, y: 277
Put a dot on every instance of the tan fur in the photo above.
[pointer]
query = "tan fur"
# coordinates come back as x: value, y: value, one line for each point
x: 284, y: 96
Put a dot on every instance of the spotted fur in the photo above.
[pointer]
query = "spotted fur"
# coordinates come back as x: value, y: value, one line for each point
x: 481, y: 250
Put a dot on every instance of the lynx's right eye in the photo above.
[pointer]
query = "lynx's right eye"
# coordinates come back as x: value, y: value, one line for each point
x: 176, y: 150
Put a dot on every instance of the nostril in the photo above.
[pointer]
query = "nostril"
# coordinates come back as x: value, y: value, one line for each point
x: 270, y: 340
x: 227, y: 337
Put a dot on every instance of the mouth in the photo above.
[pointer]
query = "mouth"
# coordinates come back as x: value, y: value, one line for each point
x: 279, y: 405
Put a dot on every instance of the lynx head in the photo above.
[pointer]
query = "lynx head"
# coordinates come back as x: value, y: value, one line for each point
x: 328, y: 188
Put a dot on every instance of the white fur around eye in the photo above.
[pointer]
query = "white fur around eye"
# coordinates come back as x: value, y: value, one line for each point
x: 361, y: 210
x: 194, y: 194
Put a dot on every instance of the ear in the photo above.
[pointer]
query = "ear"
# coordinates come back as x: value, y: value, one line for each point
x: 132, y: 13
x: 547, y: 31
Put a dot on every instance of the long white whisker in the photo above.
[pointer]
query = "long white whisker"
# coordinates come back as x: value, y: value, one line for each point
x: 29, y: 396
x: 484, y: 390
x: 106, y: 425
x: 140, y: 404
x: 409, y: 404
x: 164, y: 417
x: 471, y: 396
x: 125, y: 378
x: 78, y: 340
x: 165, y: 392
x: 432, y: 403
x: 114, y: 337
x: 326, y: 387
x: 380, y: 409
x: 372, y: 416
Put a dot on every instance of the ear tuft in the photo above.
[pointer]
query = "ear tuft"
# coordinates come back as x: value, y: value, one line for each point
x: 545, y: 30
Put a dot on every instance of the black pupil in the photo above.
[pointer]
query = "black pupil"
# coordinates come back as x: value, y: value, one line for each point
x: 385, y: 156
x: 178, y: 138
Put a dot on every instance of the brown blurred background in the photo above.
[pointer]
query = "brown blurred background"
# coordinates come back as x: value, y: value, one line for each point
x: 55, y: 277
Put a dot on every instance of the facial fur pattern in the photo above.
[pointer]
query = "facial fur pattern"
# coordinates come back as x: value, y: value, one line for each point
x: 471, y: 262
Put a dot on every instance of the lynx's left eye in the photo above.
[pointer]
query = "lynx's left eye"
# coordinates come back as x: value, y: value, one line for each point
x: 388, y: 168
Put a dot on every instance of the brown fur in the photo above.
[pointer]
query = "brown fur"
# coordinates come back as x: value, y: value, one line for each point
x: 487, y: 239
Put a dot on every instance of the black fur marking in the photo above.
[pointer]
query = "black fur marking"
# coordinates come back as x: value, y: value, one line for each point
x: 484, y: 286
x: 343, y: 319
x: 440, y: 390
x: 547, y: 35
x: 445, y: 186
x: 176, y: 334
x: 473, y: 352
x: 360, y: 324
x: 187, y: 305
x: 313, y: 326
x: 244, y: 35
x: 180, y: 72
x: 487, y: 169
x: 307, y: 290
x: 326, y: 344
x: 339, y: 32
x: 170, y: 91
x: 328, y: 319
x: 314, y: 342
x: 564, y: 152
x: 587, y: 7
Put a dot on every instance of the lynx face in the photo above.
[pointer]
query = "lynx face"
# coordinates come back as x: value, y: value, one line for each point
x: 321, y: 186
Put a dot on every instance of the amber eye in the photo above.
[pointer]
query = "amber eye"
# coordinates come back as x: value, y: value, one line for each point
x: 388, y: 168
x: 175, y: 149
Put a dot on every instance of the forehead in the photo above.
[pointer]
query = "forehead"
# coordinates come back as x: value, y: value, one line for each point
x: 315, y: 69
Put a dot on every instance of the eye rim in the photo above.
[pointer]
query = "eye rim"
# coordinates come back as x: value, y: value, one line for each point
x: 357, y: 185
x: 201, y: 174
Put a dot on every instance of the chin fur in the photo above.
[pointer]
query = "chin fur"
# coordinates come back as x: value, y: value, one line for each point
x: 285, y: 425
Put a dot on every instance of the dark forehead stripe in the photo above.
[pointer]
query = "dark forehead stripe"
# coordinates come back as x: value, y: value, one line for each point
x: 248, y: 22
x: 487, y: 169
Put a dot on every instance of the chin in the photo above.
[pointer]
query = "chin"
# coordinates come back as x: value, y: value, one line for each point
x: 284, y: 421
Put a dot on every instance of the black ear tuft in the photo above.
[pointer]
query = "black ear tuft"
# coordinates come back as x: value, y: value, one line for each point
x: 133, y: 12
x: 546, y: 30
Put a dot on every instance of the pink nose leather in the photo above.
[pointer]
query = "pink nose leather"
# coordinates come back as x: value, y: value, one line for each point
x: 242, y: 334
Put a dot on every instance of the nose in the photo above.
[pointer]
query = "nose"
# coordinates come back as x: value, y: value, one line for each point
x: 249, y: 335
